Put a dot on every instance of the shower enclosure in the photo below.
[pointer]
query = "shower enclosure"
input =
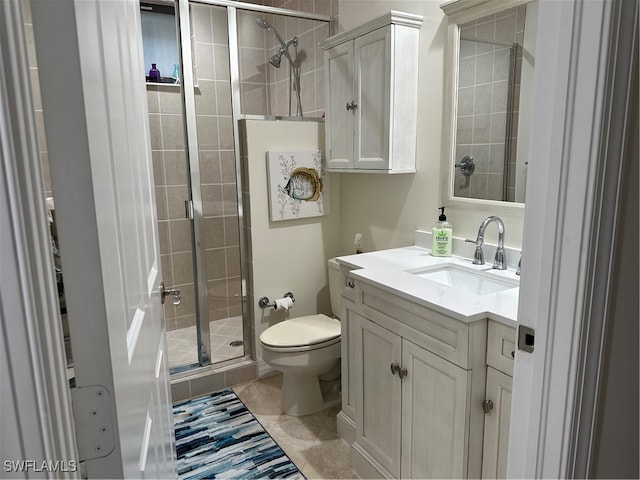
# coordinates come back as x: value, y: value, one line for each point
x: 230, y: 67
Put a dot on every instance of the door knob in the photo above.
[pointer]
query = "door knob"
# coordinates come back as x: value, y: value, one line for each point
x: 174, y: 292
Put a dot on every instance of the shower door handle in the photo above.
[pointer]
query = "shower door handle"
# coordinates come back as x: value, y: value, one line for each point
x: 352, y: 105
x: 174, y: 292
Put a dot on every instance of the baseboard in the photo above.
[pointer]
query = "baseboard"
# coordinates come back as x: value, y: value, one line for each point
x: 346, y: 427
x: 365, y: 465
x: 265, y: 370
x: 203, y: 380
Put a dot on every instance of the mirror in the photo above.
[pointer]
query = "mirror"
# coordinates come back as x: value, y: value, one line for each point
x: 493, y: 57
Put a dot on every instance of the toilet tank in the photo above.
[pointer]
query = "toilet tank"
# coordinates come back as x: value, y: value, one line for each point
x: 336, y: 284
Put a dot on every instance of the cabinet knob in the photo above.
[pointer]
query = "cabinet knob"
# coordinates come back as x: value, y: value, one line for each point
x: 402, y: 373
x: 487, y: 406
x: 351, y: 284
x: 352, y: 105
x: 395, y: 368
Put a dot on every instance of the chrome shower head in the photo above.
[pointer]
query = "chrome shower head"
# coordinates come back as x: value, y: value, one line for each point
x: 262, y: 23
x: 275, y: 60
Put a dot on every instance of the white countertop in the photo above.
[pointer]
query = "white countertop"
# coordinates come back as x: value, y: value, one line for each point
x: 387, y: 269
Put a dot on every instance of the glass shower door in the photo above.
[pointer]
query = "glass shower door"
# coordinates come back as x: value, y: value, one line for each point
x: 218, y: 182
x: 171, y: 176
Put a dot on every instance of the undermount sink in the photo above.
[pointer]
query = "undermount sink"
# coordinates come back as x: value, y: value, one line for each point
x: 473, y: 281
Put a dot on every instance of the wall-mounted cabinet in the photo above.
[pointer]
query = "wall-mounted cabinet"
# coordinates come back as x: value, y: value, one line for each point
x: 371, y: 78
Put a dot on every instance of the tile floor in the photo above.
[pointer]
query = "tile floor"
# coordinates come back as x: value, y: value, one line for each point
x: 310, y: 441
x: 183, y: 346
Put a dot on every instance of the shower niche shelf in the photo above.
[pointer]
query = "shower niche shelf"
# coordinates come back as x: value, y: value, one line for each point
x: 159, y: 40
x: 371, y: 73
x: 156, y: 84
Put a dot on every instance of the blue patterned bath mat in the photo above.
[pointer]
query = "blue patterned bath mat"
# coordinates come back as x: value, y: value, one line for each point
x: 218, y: 437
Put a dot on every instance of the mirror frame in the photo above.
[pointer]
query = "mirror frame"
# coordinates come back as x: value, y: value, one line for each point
x: 459, y: 12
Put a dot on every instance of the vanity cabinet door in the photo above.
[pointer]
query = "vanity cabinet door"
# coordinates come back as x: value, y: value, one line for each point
x: 379, y: 393
x: 434, y: 406
x: 496, y: 425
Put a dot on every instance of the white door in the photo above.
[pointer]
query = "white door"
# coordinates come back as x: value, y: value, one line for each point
x: 94, y: 102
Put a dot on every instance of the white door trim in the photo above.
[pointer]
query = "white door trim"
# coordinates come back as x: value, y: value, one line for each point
x: 37, y: 420
x: 566, y: 205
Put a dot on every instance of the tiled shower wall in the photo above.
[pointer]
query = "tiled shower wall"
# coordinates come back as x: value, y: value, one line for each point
x: 482, y: 103
x: 265, y: 88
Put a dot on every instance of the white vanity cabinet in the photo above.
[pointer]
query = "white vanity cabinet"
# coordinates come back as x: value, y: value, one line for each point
x: 500, y: 355
x: 418, y: 378
x: 371, y: 78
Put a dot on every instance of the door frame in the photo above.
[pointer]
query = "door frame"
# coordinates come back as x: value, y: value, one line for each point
x: 582, y: 117
x: 37, y: 402
x: 546, y: 448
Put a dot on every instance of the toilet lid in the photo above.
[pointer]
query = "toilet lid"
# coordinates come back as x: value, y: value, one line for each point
x: 301, y: 331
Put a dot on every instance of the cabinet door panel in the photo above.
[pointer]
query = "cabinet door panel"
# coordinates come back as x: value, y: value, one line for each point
x: 434, y: 404
x: 379, y: 394
x: 372, y: 85
x: 339, y: 81
x: 496, y: 425
x: 349, y: 360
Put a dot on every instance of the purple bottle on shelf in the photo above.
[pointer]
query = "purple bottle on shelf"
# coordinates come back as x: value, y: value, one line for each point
x: 154, y: 74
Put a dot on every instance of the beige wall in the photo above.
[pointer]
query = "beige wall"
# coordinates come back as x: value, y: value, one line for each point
x: 289, y: 255
x: 387, y: 209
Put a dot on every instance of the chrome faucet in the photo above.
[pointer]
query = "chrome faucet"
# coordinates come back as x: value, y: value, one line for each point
x: 500, y: 261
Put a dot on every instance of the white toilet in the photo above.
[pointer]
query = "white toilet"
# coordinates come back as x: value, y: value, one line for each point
x: 307, y: 352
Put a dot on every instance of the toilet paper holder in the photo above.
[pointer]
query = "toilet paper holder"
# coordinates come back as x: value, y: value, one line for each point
x: 264, y: 302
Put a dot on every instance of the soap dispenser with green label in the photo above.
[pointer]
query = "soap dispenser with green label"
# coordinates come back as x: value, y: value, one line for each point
x: 442, y: 236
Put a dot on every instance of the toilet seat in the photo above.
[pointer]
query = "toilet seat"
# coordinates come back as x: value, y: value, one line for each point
x: 302, y: 333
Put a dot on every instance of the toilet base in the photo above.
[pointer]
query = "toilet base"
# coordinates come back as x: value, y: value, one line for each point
x: 302, y: 395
